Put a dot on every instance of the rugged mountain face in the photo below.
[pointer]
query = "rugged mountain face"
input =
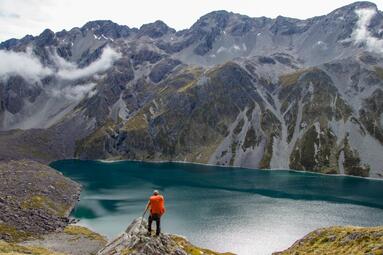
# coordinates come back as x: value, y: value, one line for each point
x: 230, y: 90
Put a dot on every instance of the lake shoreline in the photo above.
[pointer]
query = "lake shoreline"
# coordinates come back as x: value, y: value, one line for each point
x: 237, y: 167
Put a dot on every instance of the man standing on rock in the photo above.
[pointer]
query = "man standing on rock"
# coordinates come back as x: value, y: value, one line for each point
x: 156, y: 205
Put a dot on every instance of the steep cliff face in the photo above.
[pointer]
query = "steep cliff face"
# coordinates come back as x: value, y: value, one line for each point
x: 236, y: 114
x: 231, y: 90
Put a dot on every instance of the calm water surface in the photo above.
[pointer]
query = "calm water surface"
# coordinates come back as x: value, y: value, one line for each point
x: 226, y: 209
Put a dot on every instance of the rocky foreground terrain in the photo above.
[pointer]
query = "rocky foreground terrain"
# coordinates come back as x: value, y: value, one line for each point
x: 35, y: 203
x: 339, y: 240
x: 34, y: 199
x: 135, y: 241
x: 231, y: 90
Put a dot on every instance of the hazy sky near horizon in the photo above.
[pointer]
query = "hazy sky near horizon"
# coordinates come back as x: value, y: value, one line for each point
x: 21, y: 17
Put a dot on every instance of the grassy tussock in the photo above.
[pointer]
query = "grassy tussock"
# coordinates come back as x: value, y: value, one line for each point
x: 291, y: 78
x: 194, y: 250
x: 44, y: 202
x: 78, y: 230
x: 14, y: 234
x: 379, y: 72
x: 339, y: 240
x: 14, y: 249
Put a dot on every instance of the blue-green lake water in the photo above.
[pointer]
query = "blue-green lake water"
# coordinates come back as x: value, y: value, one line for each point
x: 225, y: 209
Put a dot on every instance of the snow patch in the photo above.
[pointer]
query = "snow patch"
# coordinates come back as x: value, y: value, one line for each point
x: 221, y: 49
x: 322, y: 45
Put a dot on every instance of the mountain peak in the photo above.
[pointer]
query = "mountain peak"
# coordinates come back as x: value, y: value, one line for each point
x: 216, y: 18
x: 356, y: 5
x: 107, y: 28
x: 155, y: 29
x: 97, y: 24
x: 47, y: 37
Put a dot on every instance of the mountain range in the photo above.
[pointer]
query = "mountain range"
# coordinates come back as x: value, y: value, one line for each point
x: 231, y: 90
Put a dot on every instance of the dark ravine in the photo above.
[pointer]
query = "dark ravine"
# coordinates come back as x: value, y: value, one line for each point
x: 230, y: 90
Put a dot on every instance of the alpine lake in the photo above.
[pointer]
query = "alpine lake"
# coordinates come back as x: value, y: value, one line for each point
x: 244, y: 211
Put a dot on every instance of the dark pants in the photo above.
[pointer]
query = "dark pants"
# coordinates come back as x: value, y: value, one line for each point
x: 157, y: 219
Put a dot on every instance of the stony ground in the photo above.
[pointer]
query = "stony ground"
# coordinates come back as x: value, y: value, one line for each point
x: 339, y: 240
x: 135, y: 241
x: 74, y: 240
x: 34, y: 199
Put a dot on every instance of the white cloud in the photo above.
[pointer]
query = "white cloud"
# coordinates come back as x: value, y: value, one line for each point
x: 27, y: 65
x: 69, y: 71
x: 362, y: 35
x: 24, y: 64
x: 74, y: 93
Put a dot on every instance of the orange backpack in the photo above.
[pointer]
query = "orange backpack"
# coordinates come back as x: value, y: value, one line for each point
x: 157, y: 204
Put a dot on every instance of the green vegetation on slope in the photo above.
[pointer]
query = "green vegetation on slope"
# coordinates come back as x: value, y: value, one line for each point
x: 14, y: 249
x: 339, y: 240
x: 78, y: 230
x: 194, y: 250
x: 12, y: 233
x: 44, y: 202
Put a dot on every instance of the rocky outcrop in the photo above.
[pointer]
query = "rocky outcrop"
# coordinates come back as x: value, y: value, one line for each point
x: 339, y: 240
x: 34, y: 200
x: 135, y: 241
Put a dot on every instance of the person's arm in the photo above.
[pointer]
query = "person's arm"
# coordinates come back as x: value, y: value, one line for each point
x: 147, y: 205
x: 163, y: 205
